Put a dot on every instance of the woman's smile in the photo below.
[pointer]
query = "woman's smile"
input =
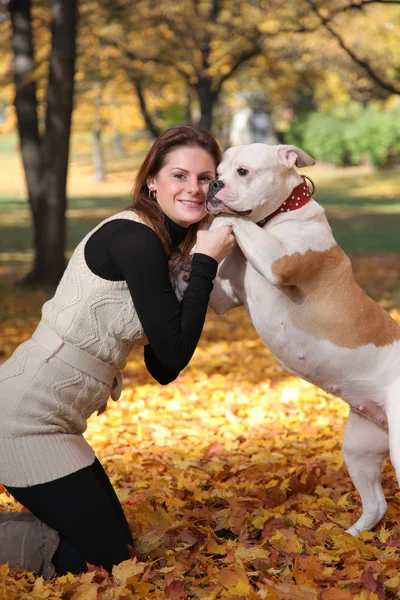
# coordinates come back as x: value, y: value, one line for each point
x: 190, y: 203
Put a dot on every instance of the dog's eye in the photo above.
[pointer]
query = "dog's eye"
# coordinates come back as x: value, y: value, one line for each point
x: 242, y: 172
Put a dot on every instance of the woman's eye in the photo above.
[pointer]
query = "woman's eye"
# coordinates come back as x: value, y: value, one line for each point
x: 242, y: 172
x: 205, y: 178
x: 179, y: 175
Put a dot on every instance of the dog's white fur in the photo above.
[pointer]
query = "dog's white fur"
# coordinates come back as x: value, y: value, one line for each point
x: 299, y: 291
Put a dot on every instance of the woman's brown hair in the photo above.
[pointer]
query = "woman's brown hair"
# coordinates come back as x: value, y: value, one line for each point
x: 147, y: 207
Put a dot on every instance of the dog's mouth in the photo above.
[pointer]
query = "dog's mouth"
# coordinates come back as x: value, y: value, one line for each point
x: 214, y: 206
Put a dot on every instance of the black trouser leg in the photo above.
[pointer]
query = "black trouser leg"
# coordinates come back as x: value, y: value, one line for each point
x: 113, y: 498
x: 85, y: 510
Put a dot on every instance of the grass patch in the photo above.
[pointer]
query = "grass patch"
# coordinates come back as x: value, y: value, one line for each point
x: 363, y: 209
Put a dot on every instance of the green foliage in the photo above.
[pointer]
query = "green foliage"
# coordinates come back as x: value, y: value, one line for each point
x: 324, y: 136
x: 8, y: 143
x: 172, y: 114
x: 361, y: 135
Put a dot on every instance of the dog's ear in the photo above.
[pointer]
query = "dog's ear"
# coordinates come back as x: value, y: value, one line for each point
x: 290, y: 155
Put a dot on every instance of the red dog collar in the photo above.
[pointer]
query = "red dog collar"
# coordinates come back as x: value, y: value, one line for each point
x: 298, y: 198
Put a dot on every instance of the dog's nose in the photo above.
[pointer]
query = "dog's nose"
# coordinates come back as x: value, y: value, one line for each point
x: 216, y: 185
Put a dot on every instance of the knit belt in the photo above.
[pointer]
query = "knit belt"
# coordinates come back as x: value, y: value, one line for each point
x: 79, y: 359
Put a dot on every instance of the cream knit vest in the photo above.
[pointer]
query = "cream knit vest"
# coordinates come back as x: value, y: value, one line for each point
x: 45, y: 403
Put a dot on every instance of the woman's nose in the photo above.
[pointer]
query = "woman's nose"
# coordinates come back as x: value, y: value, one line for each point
x: 194, y: 186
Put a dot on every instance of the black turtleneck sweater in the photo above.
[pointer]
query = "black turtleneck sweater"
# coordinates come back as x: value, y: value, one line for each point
x: 123, y: 250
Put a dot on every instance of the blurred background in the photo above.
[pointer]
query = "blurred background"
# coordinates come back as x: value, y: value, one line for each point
x: 87, y: 85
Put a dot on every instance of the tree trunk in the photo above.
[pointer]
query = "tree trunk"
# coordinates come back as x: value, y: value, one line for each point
x: 45, y: 158
x: 98, y: 162
x: 117, y: 142
x: 60, y: 94
x: 188, y: 119
x: 26, y: 108
x: 150, y: 125
x: 206, y: 101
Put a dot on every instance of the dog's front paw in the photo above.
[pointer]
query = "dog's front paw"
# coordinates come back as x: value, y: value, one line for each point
x: 222, y: 220
x: 179, y: 270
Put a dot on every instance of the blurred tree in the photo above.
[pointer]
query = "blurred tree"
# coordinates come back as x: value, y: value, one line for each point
x: 129, y: 97
x: 354, y: 24
x: 7, y: 118
x: 98, y: 158
x: 202, y: 42
x: 206, y: 42
x: 45, y: 149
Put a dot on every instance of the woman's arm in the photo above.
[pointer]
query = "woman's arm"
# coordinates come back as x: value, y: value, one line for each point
x: 172, y: 328
x: 162, y: 374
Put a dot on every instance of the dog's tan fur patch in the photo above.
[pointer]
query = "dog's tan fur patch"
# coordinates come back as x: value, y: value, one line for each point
x: 326, y: 301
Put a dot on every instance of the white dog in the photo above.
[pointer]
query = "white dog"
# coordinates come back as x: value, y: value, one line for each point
x: 301, y: 295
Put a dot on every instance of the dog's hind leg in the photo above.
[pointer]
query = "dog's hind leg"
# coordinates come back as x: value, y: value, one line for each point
x: 393, y: 416
x: 365, y: 448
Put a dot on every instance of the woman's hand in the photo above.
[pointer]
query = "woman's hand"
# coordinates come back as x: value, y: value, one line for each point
x: 216, y: 243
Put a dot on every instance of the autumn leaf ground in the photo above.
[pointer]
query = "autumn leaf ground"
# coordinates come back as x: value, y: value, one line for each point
x: 232, y: 477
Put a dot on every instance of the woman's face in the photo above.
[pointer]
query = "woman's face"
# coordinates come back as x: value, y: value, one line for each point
x: 182, y: 184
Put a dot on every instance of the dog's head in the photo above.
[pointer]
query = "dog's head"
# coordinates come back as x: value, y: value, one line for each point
x: 255, y: 179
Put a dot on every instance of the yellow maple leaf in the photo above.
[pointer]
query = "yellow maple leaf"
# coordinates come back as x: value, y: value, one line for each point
x: 286, y: 542
x: 384, y: 535
x: 365, y: 595
x: 347, y: 542
x: 85, y: 591
x: 249, y: 554
x: 326, y: 555
x: 126, y: 569
x: 211, y: 546
x: 235, y: 582
x: 301, y: 519
x: 152, y: 517
x: 393, y: 582
x: 259, y: 522
x: 68, y: 578
x: 149, y: 541
x: 139, y: 587
x: 286, y: 591
x: 271, y: 484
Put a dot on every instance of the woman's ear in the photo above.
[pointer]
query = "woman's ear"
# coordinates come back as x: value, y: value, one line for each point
x: 150, y: 183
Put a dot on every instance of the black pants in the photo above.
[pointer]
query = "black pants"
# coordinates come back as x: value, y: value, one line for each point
x: 83, y: 507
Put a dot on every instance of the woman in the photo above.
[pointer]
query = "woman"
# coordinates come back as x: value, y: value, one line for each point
x: 115, y: 293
